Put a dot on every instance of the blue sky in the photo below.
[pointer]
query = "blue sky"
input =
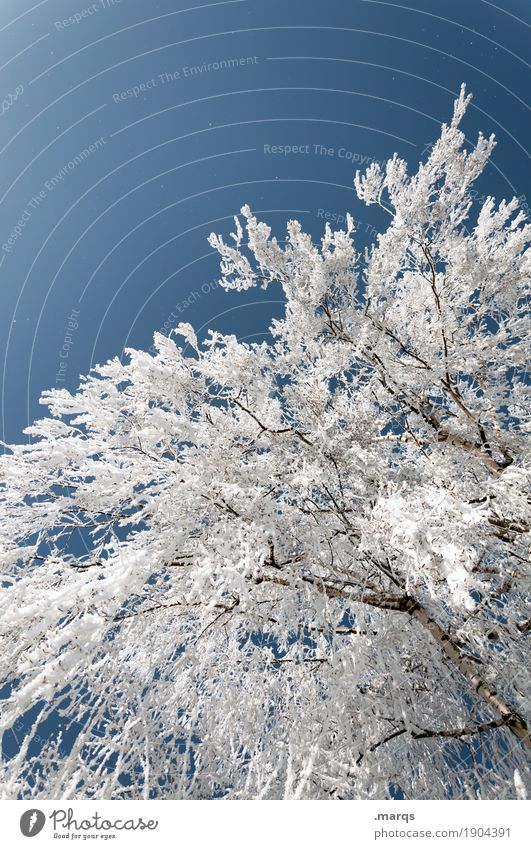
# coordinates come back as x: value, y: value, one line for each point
x: 130, y: 131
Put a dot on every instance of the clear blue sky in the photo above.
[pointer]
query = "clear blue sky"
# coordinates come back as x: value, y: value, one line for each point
x: 130, y: 130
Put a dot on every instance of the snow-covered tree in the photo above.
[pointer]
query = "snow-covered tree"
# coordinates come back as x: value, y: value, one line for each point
x: 294, y: 569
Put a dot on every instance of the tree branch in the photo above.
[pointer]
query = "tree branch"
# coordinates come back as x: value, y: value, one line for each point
x: 467, y: 731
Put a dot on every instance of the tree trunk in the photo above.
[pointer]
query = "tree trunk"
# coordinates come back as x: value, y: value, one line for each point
x: 511, y: 717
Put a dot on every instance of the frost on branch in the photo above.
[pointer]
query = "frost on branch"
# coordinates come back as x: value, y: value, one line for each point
x: 294, y: 569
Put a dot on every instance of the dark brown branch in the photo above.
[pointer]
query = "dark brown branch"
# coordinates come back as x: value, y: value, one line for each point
x: 266, y: 429
x: 456, y: 733
x: 377, y: 745
x: 297, y: 660
x: 467, y: 731
x: 225, y: 609
x: 158, y: 607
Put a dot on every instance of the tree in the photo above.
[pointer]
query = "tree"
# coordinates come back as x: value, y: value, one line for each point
x: 300, y: 568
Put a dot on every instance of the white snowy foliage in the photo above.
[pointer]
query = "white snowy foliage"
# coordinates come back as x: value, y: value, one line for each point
x: 294, y: 569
